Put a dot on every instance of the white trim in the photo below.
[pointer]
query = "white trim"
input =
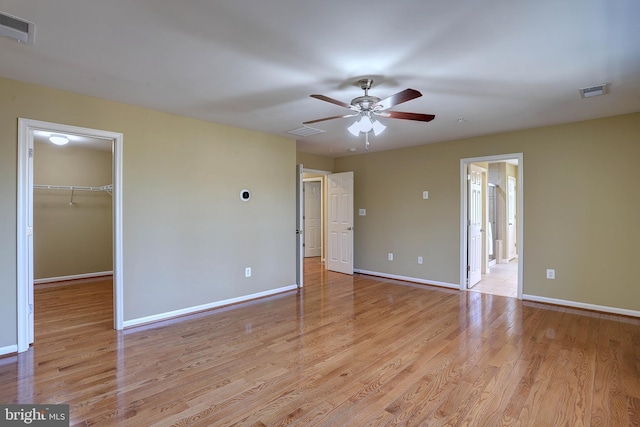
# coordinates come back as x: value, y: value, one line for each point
x: 25, y: 141
x: 8, y: 349
x: 325, y: 230
x: 315, y: 171
x: 575, y: 304
x: 72, y: 277
x: 519, y: 214
x: 198, y: 308
x: 25, y: 135
x: 408, y: 279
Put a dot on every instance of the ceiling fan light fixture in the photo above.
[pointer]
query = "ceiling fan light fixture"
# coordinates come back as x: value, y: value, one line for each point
x: 377, y: 127
x: 59, y: 139
x: 365, y: 124
x: 354, y: 129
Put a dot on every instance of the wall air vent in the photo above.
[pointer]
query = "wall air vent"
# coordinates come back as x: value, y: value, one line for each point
x: 17, y: 28
x: 588, y: 92
x: 305, y: 131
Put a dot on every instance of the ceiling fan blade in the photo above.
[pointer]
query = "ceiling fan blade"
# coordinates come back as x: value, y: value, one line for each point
x: 407, y: 116
x: 329, y: 118
x: 331, y: 100
x: 398, y: 98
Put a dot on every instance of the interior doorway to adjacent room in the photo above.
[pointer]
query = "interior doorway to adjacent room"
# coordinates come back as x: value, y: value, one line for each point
x: 491, y: 225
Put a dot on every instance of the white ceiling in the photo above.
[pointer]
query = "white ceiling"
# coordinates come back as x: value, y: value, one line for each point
x: 499, y: 65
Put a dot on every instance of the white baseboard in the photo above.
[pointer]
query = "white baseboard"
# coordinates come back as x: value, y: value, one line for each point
x: 534, y: 298
x: 408, y: 279
x: 190, y: 310
x: 9, y: 349
x: 575, y: 304
x: 73, y: 277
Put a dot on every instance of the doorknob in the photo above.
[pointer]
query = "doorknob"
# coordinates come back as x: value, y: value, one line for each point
x: 350, y: 228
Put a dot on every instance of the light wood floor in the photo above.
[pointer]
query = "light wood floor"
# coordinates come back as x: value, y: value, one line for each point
x: 346, y: 351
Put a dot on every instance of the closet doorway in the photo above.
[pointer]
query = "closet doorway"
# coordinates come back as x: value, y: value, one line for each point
x: 314, y: 216
x: 35, y: 136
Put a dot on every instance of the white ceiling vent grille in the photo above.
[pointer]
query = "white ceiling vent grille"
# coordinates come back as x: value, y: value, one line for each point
x: 16, y: 28
x: 588, y: 92
x: 305, y: 131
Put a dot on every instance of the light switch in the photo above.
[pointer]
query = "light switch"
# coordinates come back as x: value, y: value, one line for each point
x: 362, y: 212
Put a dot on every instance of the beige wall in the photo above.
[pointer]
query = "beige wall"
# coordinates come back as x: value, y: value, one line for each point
x: 315, y: 161
x: 580, y: 208
x: 187, y: 236
x: 71, y: 239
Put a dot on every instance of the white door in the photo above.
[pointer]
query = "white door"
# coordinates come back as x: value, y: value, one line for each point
x: 312, y: 218
x: 474, y: 260
x: 340, y: 222
x: 511, y: 217
x: 299, y: 234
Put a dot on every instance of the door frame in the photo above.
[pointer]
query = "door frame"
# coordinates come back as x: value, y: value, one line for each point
x: 519, y: 213
x: 24, y: 265
x: 300, y: 171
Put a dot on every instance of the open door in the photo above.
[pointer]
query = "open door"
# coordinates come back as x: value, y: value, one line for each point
x: 511, y: 218
x: 475, y: 221
x: 312, y: 218
x: 340, y: 222
x: 299, y: 225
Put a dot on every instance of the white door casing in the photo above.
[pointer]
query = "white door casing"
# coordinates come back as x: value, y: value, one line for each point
x: 299, y: 225
x: 24, y: 273
x: 464, y: 164
x: 475, y: 221
x: 511, y: 217
x: 312, y: 218
x: 340, y: 222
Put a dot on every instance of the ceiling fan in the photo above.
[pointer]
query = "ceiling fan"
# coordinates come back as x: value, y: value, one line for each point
x: 368, y: 106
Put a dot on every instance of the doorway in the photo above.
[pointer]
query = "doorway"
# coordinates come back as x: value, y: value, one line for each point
x: 491, y: 201
x: 336, y: 236
x: 25, y: 267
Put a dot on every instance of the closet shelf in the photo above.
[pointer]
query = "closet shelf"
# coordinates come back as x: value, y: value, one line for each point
x: 106, y: 188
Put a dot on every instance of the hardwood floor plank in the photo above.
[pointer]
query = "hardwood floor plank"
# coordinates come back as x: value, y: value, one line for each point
x: 343, y: 351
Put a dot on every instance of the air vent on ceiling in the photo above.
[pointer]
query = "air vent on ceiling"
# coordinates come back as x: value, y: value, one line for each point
x: 305, y: 131
x: 17, y: 28
x: 588, y: 92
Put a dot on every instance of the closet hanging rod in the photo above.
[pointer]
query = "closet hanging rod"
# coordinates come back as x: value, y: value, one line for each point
x: 107, y: 188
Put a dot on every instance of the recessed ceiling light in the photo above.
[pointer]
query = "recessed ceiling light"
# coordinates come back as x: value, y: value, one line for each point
x: 59, y: 139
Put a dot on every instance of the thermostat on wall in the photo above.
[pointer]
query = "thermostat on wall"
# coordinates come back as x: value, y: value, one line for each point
x: 245, y: 195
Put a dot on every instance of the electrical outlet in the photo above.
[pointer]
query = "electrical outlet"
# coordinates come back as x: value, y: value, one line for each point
x: 390, y: 256
x: 425, y: 195
x: 419, y: 260
x: 247, y: 272
x: 551, y: 273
